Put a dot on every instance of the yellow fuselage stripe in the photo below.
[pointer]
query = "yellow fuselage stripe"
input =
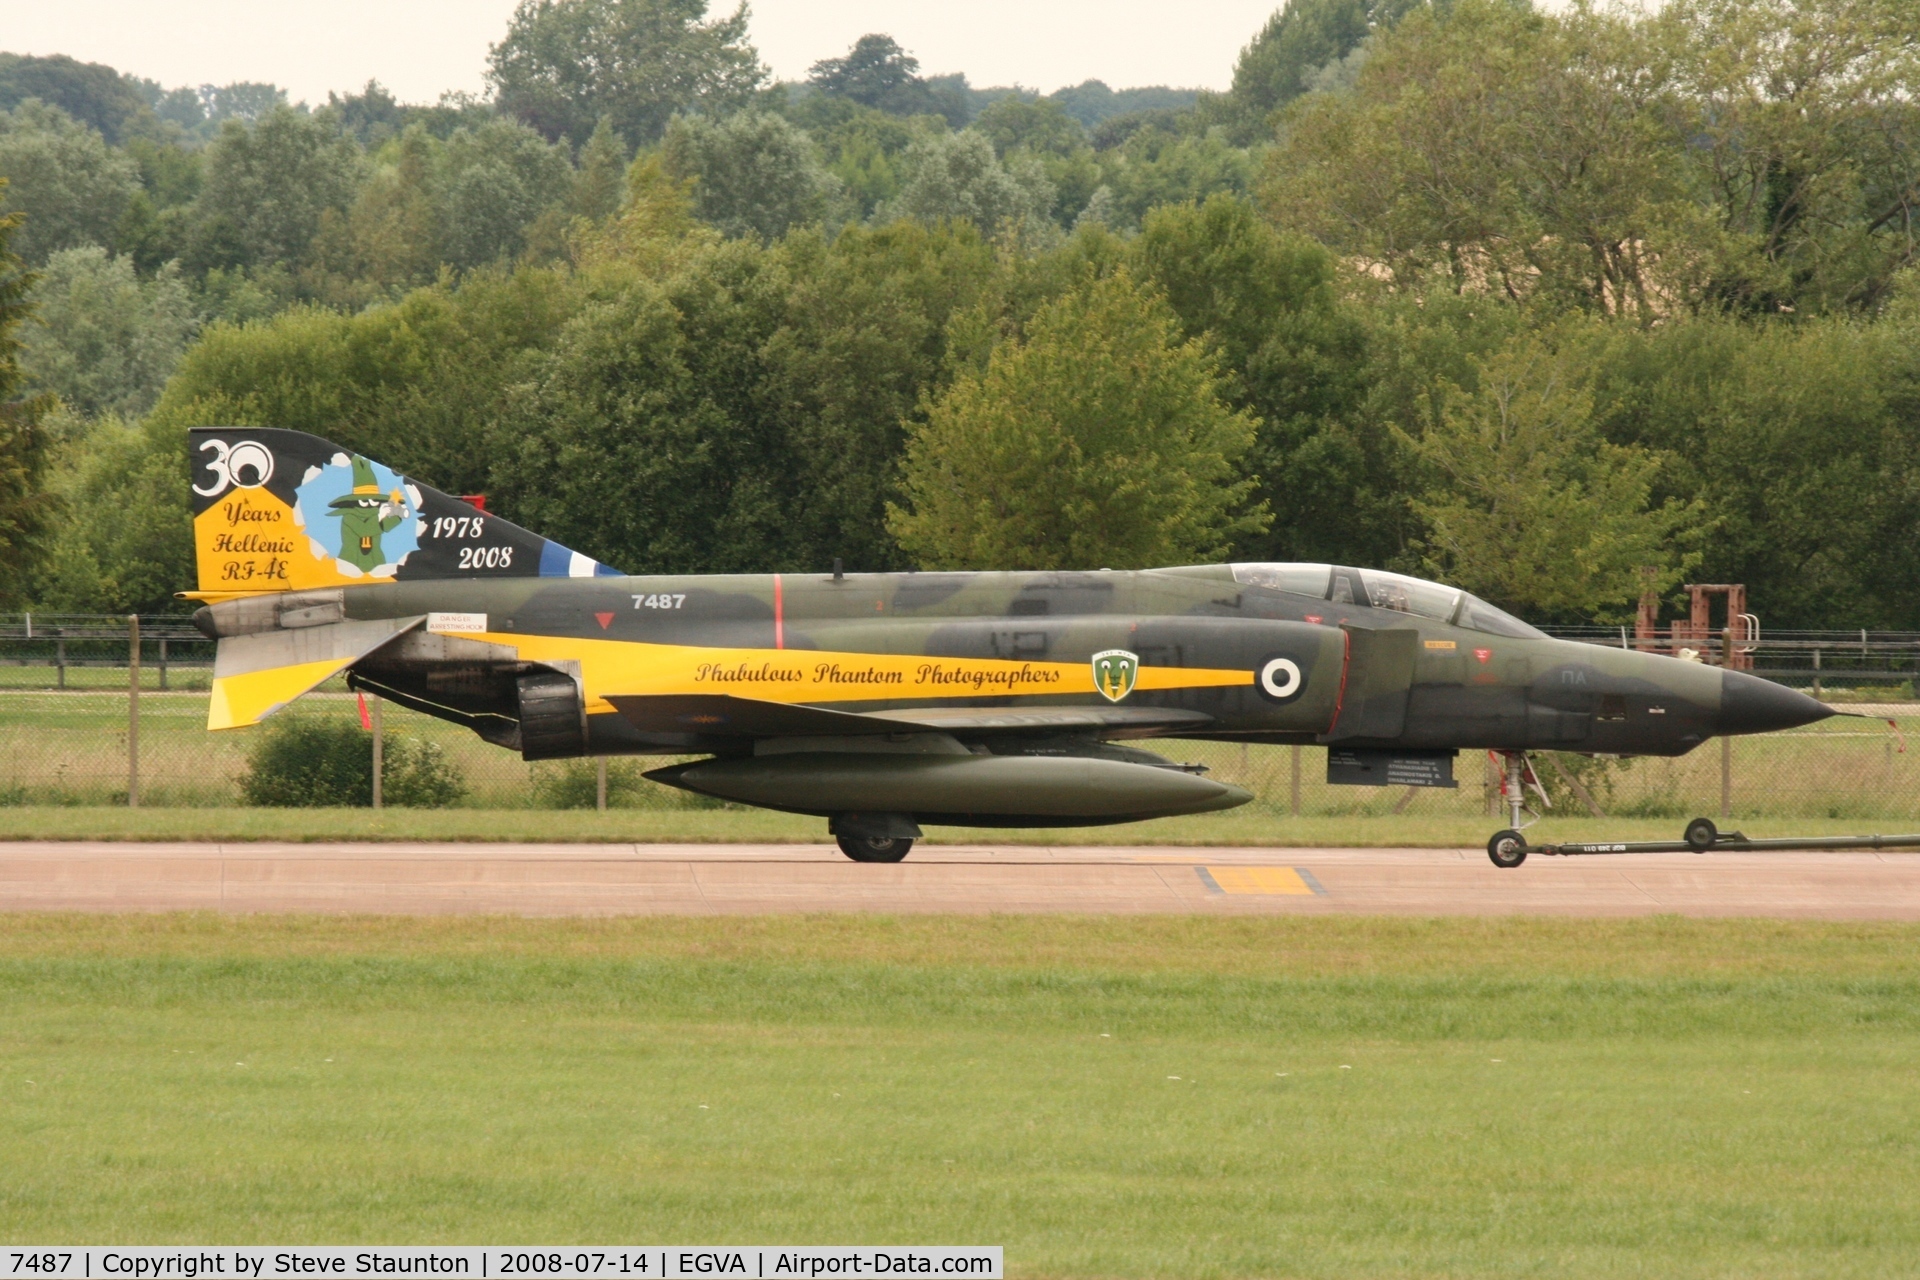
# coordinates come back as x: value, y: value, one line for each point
x: 621, y: 667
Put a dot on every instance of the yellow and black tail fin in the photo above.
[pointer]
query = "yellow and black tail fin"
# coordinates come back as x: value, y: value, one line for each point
x: 286, y: 511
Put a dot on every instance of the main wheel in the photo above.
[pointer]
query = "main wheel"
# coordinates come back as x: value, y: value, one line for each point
x: 1508, y: 849
x: 1701, y: 834
x: 875, y: 848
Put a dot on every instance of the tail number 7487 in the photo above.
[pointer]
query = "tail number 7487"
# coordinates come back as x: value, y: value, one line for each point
x: 660, y: 601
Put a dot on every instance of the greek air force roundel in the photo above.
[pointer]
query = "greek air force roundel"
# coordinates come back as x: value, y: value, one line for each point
x: 1279, y: 678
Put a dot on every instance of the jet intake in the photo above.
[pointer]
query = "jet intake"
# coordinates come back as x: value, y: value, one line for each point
x: 553, y: 719
x: 963, y: 790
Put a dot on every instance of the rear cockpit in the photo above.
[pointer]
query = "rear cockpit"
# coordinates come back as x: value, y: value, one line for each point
x: 1373, y: 589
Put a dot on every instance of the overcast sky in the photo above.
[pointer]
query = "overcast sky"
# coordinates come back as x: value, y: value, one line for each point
x: 417, y: 48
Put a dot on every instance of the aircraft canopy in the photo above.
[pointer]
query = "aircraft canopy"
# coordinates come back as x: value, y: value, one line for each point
x: 1375, y: 589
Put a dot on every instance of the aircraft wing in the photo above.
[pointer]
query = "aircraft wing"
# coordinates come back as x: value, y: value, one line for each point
x: 722, y: 715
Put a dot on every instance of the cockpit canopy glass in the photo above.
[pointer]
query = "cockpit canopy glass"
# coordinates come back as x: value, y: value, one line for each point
x: 1393, y: 591
x: 1300, y: 579
x: 1410, y: 595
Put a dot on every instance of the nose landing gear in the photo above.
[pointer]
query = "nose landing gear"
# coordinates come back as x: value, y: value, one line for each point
x: 1509, y: 848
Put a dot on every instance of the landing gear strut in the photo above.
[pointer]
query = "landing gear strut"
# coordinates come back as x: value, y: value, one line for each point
x: 1509, y: 848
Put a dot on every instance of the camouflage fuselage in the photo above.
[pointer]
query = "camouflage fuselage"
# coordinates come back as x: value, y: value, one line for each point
x: 1263, y: 665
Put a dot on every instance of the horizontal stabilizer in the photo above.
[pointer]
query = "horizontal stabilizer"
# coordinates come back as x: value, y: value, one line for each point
x: 255, y: 675
x: 725, y: 716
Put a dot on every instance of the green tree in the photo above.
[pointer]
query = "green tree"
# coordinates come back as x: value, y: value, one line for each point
x: 266, y: 189
x: 1101, y: 440
x: 864, y: 149
x: 1298, y: 357
x: 415, y: 383
x: 1506, y: 151
x: 97, y: 96
x: 601, y: 178
x: 753, y: 174
x: 102, y: 339
x: 493, y: 182
x: 1156, y: 165
x: 121, y: 537
x: 1300, y: 39
x: 70, y: 186
x: 743, y: 409
x: 1533, y: 508
x: 956, y: 176
x: 1043, y: 134
x: 24, y: 506
x: 877, y: 73
x: 1801, y: 125
x: 566, y: 63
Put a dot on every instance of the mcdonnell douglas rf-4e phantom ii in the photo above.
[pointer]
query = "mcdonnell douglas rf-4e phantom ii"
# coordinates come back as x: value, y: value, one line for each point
x: 883, y: 701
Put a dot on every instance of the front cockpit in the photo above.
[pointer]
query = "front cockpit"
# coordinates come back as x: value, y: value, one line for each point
x: 1395, y: 592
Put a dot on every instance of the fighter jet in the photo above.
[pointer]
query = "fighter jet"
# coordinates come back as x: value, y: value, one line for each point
x: 884, y: 701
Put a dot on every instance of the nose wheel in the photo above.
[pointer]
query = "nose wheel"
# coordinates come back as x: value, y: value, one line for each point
x: 1508, y: 849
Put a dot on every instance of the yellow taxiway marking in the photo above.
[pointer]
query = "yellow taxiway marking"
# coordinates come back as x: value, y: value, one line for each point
x: 1263, y: 880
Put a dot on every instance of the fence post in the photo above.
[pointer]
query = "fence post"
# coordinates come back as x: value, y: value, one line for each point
x: 163, y: 664
x: 600, y: 783
x: 379, y: 752
x: 1816, y: 673
x: 1726, y: 777
x: 133, y: 710
x: 1293, y: 793
x: 60, y: 660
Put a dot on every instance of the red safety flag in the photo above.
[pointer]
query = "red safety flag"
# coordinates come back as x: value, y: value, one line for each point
x: 366, y: 721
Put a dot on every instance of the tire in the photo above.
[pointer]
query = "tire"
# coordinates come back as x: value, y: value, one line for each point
x: 874, y: 848
x: 1701, y: 835
x: 1508, y: 849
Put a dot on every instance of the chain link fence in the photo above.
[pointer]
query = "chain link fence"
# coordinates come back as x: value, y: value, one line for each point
x: 72, y: 732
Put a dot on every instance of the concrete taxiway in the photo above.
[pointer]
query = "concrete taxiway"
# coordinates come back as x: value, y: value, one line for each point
x: 610, y: 879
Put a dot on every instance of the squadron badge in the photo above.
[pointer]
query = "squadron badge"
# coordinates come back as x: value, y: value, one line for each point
x: 1114, y: 671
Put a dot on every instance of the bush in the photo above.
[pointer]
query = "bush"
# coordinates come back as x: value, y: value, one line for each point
x: 571, y: 784
x: 311, y: 763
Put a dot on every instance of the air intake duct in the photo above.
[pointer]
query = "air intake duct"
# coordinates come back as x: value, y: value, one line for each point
x: 553, y: 720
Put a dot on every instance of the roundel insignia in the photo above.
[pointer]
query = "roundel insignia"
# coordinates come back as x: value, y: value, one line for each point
x: 1114, y: 672
x: 1279, y: 679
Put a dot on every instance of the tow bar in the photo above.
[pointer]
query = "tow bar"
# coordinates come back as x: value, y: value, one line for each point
x: 1509, y: 848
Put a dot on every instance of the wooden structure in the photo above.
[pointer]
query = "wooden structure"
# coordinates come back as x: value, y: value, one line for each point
x: 1731, y: 646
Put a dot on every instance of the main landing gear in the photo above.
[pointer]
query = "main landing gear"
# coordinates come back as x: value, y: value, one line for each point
x: 874, y: 848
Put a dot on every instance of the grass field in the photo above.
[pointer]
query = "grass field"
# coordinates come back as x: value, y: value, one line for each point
x: 1152, y: 1097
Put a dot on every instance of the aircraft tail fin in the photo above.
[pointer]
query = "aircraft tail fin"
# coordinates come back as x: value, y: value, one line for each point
x: 278, y: 510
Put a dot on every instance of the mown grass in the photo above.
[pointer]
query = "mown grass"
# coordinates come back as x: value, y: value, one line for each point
x: 1102, y: 1096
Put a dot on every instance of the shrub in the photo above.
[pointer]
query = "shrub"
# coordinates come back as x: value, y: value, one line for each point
x: 312, y: 763
x: 571, y: 784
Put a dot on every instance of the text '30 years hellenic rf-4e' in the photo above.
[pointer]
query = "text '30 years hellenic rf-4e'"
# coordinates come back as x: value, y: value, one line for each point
x: 884, y: 701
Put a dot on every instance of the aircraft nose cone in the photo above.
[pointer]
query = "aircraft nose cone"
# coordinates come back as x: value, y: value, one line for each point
x: 1749, y: 704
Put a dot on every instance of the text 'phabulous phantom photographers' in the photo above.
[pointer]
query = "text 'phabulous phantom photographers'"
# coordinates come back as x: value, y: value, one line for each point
x: 494, y: 1262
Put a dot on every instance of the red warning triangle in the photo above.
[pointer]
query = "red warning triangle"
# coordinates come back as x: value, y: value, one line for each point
x: 605, y: 620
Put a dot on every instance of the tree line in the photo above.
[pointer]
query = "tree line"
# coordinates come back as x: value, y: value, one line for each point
x: 1551, y: 305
